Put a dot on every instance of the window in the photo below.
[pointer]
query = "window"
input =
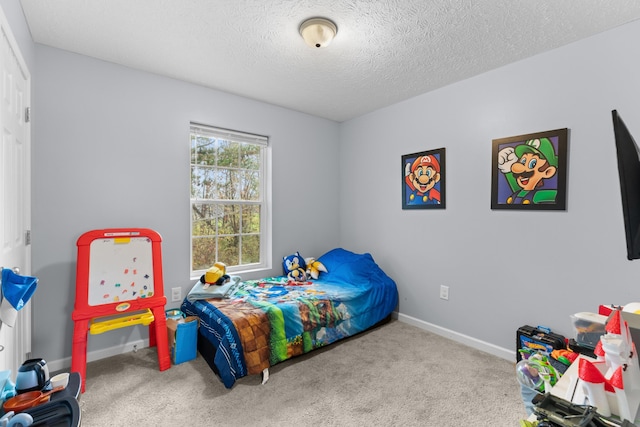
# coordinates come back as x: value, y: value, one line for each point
x: 229, y: 208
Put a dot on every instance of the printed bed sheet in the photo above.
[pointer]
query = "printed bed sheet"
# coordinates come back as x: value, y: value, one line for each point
x: 264, y: 322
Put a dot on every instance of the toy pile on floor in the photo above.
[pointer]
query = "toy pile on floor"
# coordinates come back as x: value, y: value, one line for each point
x: 601, y: 389
x: 611, y: 383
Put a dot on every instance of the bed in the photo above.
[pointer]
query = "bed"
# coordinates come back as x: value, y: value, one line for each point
x: 251, y: 325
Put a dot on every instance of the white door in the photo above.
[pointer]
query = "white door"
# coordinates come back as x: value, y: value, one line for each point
x: 15, y: 188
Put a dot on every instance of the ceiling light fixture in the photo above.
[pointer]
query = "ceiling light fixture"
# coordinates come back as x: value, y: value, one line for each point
x: 318, y: 32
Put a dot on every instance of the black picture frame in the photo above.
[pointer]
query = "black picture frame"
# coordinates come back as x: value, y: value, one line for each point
x: 529, y: 172
x: 423, y: 180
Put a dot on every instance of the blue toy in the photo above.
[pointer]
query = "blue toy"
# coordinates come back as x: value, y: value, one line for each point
x: 294, y: 267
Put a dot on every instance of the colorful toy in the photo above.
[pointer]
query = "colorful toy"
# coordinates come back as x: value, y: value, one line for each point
x: 294, y: 267
x: 314, y: 267
x: 536, y: 372
x: 564, y: 356
x: 216, y: 275
x: 611, y: 383
x: 118, y: 284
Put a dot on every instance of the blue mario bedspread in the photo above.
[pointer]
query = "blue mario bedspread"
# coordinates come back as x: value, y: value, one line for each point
x: 264, y: 322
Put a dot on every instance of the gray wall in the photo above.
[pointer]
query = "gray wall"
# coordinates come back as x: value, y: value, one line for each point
x: 504, y: 269
x: 111, y: 149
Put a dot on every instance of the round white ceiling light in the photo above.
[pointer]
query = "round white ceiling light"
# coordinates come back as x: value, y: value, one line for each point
x: 318, y: 32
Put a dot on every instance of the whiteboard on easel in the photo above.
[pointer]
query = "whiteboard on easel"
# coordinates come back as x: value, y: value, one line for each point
x: 120, y: 269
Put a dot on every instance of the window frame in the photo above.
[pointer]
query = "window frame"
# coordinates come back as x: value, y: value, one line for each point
x: 263, y: 201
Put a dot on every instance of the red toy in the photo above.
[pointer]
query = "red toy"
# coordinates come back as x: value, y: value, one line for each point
x: 119, y: 283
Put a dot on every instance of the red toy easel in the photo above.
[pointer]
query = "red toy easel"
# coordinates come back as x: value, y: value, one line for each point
x: 118, y: 284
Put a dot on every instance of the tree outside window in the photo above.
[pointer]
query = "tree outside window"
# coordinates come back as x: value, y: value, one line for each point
x: 227, y: 199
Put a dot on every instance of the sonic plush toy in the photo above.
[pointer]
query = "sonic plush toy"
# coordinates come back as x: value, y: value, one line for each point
x: 298, y: 269
x: 294, y: 267
x: 216, y: 275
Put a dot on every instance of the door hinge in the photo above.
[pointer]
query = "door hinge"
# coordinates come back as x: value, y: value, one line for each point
x: 27, y: 237
x: 27, y: 114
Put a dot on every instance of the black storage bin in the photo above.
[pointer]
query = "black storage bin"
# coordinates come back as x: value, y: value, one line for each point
x: 530, y: 337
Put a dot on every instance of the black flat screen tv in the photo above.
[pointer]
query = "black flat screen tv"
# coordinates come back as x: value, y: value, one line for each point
x: 629, y: 172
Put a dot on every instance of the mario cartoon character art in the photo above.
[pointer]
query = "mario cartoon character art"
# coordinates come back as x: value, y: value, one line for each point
x: 423, y: 180
x: 529, y: 172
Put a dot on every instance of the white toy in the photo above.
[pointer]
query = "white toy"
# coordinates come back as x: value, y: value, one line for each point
x: 612, y: 382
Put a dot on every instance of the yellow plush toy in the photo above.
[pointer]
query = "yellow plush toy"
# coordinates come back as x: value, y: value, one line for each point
x: 314, y: 267
x: 216, y: 275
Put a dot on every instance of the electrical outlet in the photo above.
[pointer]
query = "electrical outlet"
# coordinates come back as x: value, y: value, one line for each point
x: 444, y: 292
x: 176, y: 294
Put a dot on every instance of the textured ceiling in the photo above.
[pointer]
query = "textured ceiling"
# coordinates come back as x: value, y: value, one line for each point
x: 384, y: 52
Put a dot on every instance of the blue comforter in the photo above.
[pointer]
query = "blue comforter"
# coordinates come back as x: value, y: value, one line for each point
x: 263, y: 322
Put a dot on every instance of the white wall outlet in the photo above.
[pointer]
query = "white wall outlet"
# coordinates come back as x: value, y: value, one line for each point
x: 176, y: 294
x: 444, y: 292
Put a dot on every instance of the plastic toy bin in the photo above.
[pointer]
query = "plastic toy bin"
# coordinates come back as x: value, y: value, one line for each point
x: 183, y: 338
x: 588, y: 328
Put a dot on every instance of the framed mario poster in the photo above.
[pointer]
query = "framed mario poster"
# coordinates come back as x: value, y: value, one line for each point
x: 529, y: 172
x: 423, y: 180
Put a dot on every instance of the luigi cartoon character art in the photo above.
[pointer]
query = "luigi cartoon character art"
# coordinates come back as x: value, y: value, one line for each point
x: 421, y: 177
x: 526, y: 167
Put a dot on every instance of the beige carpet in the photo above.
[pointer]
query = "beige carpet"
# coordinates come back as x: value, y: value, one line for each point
x: 394, y: 375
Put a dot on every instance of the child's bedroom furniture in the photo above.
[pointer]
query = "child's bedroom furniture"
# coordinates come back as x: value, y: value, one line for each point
x: 119, y: 283
x: 258, y: 323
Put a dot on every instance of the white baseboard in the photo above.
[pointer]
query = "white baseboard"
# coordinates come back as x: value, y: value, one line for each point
x: 65, y: 364
x: 500, y: 352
